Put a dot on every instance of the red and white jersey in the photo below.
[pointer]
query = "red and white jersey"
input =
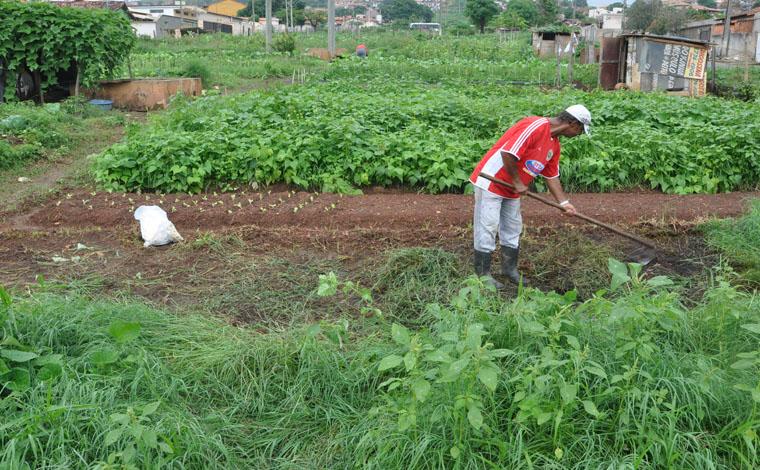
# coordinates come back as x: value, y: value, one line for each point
x: 529, y: 140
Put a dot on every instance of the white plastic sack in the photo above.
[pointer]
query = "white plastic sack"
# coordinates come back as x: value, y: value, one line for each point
x: 155, y: 227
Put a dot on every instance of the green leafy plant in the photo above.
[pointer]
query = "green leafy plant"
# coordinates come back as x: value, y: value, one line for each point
x: 137, y: 437
x: 285, y: 43
x: 326, y: 136
x: 46, y: 39
x: 198, y: 69
x: 21, y: 366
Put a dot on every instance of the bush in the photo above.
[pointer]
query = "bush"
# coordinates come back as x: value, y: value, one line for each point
x: 285, y: 43
x: 196, y: 69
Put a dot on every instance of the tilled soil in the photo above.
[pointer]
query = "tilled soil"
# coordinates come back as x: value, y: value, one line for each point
x: 378, y: 209
x: 91, y: 238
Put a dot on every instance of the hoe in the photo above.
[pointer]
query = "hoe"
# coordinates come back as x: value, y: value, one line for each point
x: 643, y: 255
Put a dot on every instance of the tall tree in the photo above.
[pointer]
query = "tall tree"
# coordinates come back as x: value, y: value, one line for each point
x: 481, y: 12
x: 315, y: 17
x: 511, y: 20
x: 652, y: 16
x: 641, y: 14
x: 668, y: 21
x: 405, y: 10
x: 547, y: 11
x: 525, y: 9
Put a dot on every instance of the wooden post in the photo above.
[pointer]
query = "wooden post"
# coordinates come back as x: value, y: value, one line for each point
x: 3, y: 74
x: 558, y: 81
x: 746, y: 58
x: 727, y: 29
x: 571, y: 61
x: 714, y: 52
x: 38, y: 84
x: 76, y: 82
x: 292, y: 22
x: 331, y: 28
x: 268, y: 28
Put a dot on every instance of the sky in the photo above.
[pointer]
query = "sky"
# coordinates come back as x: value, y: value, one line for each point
x: 600, y: 3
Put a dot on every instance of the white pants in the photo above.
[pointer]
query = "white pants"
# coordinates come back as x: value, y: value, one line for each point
x: 492, y: 214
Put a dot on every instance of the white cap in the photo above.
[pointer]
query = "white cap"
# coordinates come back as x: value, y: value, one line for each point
x: 579, y: 112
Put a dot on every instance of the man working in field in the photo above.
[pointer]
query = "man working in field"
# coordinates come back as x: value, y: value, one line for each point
x: 528, y: 149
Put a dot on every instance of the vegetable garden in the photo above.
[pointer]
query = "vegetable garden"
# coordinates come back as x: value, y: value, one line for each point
x: 312, y: 326
x: 347, y: 134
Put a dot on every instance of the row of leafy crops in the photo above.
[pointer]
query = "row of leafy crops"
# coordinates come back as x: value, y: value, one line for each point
x: 628, y: 379
x: 234, y: 61
x: 351, y: 133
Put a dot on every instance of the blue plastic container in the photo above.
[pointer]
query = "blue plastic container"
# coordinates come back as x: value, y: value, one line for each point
x: 102, y: 104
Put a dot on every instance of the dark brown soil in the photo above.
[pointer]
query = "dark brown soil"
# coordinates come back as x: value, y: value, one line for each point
x: 380, y: 209
x: 251, y: 225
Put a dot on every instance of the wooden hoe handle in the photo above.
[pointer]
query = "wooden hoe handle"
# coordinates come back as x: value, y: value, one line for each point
x: 592, y: 220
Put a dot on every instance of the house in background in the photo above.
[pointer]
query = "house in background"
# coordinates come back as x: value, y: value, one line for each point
x: 143, y: 24
x: 744, y: 40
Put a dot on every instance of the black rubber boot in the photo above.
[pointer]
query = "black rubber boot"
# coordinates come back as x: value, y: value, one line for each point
x: 509, y: 257
x: 483, y: 268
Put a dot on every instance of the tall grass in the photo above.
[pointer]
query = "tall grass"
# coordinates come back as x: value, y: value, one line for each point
x: 739, y: 240
x: 632, y: 380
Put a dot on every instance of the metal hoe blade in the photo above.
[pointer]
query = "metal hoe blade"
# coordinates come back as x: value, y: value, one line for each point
x: 642, y: 255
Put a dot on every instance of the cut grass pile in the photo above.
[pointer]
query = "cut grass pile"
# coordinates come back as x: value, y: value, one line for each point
x: 630, y: 378
x: 739, y: 241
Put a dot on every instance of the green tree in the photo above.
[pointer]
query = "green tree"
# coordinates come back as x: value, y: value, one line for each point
x: 547, y: 11
x: 315, y: 17
x: 668, y: 20
x: 344, y: 11
x: 405, y: 10
x: 511, y: 20
x: 641, y: 14
x: 525, y: 9
x: 615, y: 5
x: 652, y: 16
x: 278, y: 10
x: 481, y: 12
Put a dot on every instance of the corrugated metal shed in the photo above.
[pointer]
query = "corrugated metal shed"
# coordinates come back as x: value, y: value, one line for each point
x: 670, y: 64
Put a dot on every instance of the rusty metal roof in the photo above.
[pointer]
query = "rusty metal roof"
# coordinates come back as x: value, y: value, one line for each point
x: 656, y: 37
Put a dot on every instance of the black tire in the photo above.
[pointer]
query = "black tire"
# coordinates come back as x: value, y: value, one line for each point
x: 26, y: 89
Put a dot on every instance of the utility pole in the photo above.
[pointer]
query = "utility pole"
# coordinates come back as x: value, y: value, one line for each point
x: 330, y: 28
x: 727, y: 29
x: 292, y: 23
x: 268, y: 30
x: 571, y: 62
x: 254, y: 20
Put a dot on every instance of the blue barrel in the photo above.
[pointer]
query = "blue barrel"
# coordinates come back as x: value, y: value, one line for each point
x: 105, y: 105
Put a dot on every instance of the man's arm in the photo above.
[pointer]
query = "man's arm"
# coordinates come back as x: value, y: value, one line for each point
x: 510, y: 164
x: 555, y: 187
